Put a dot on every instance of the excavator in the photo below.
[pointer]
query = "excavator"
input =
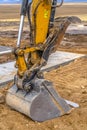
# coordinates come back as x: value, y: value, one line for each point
x: 31, y: 93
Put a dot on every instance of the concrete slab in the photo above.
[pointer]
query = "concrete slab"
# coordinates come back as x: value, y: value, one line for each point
x: 59, y: 58
x: 7, y: 72
x: 77, y: 29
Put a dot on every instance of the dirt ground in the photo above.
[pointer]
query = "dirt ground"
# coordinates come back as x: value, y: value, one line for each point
x: 70, y: 81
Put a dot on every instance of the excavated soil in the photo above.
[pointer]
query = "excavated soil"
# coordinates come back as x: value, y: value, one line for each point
x: 70, y: 81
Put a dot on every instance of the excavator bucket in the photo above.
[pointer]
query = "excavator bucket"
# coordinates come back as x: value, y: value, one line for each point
x: 41, y: 104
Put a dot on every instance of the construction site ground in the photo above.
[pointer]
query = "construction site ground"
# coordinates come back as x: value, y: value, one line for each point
x: 70, y: 81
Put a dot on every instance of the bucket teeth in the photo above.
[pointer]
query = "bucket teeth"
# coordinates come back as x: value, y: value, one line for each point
x: 41, y: 105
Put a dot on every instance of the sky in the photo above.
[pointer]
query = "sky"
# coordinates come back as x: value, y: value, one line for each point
x: 10, y: 1
x: 18, y: 1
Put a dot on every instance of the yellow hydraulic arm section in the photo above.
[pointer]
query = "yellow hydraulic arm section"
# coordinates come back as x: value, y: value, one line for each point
x: 40, y: 13
x: 46, y: 33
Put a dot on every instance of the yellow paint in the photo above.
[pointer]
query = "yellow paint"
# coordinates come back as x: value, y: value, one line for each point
x: 46, y: 13
x: 20, y: 59
x: 21, y: 65
x: 27, y: 50
x: 42, y: 19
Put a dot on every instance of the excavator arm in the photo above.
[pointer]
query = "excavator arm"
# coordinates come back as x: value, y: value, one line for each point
x: 31, y: 94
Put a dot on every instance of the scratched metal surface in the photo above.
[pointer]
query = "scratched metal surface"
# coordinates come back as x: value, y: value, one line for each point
x: 4, y: 49
x: 59, y: 58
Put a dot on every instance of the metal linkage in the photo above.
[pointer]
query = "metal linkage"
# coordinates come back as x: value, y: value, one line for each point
x: 23, y: 14
x: 5, y: 50
x: 58, y: 5
x: 20, y: 31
